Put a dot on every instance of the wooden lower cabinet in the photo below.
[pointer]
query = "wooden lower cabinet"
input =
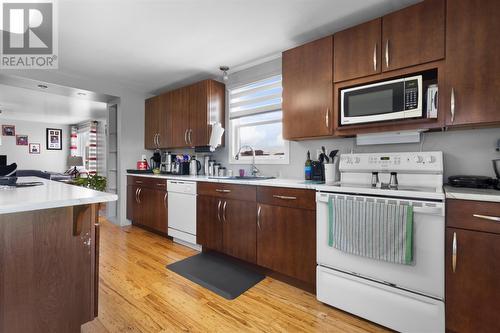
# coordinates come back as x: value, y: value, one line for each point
x: 473, y: 288
x: 239, y: 234
x: 286, y: 241
x: 147, y: 207
x: 227, y: 226
x: 48, y: 273
x: 208, y: 222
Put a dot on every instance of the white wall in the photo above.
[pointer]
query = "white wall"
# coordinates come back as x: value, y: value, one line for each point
x: 47, y: 160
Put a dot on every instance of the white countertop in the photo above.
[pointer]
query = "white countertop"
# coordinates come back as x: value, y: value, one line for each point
x: 475, y: 194
x: 278, y: 182
x: 51, y: 194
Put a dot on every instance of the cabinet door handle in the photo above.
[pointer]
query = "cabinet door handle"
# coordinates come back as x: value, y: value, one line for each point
x: 218, y: 210
x: 185, y: 136
x: 190, y: 131
x: 452, y: 105
x: 487, y: 217
x: 139, y: 195
x: 258, y: 217
x: 165, y: 200
x: 387, y: 53
x: 136, y: 195
x: 327, y: 118
x: 158, y: 139
x: 222, y: 191
x: 224, y: 211
x: 375, y: 58
x: 454, y: 253
x: 284, y: 197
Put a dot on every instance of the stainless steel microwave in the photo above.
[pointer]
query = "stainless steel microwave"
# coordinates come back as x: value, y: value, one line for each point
x: 387, y: 100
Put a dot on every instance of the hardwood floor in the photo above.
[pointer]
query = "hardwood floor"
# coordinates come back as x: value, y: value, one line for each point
x: 138, y: 294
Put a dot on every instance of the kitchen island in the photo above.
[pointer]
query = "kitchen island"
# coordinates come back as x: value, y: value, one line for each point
x: 49, y: 246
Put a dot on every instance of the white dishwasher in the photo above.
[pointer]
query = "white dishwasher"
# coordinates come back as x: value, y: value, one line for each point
x: 182, y: 212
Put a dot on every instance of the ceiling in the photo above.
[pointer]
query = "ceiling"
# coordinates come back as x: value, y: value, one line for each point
x: 152, y: 45
x: 41, y: 106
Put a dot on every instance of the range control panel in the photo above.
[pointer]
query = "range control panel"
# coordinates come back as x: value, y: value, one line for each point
x: 418, y: 162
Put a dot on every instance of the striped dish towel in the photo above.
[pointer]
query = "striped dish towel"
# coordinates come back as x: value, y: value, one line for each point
x: 375, y: 230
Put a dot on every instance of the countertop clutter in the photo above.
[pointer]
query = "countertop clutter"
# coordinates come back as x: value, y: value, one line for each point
x: 51, y: 194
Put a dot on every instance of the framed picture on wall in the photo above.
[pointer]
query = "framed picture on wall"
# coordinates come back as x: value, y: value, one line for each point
x: 34, y: 148
x: 54, y: 139
x: 21, y: 140
x: 8, y: 130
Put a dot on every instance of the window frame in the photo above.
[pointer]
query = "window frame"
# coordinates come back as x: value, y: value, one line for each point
x: 234, y: 138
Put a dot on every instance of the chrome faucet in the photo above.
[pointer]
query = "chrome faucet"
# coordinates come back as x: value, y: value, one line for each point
x: 255, y: 170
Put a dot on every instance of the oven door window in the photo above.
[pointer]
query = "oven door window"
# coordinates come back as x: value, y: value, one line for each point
x: 378, y: 100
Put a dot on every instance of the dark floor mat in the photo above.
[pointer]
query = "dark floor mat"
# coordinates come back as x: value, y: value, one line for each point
x: 222, y: 275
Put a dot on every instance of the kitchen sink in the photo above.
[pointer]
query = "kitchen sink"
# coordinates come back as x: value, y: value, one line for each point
x: 244, y: 177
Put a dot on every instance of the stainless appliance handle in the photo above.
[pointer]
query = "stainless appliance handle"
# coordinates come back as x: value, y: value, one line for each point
x: 284, y: 197
x: 218, y: 210
x: 487, y: 217
x: 165, y: 200
x: 258, y: 217
x: 139, y: 195
x: 224, y: 211
x: 387, y: 53
x: 452, y: 105
x: 222, y: 191
x: 454, y: 253
x: 185, y: 136
x: 327, y: 118
x: 136, y: 194
x: 428, y: 210
x: 375, y: 58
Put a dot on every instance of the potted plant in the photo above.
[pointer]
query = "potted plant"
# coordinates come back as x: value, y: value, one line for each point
x: 94, y: 182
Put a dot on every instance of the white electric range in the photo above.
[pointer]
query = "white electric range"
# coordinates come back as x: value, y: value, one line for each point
x: 407, y: 298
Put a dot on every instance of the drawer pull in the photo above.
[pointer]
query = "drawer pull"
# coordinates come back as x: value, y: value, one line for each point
x: 160, y: 184
x: 486, y: 217
x: 222, y: 191
x: 138, y: 181
x: 454, y: 253
x: 284, y: 197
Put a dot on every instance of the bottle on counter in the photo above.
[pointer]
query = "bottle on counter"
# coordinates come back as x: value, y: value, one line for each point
x: 308, y: 167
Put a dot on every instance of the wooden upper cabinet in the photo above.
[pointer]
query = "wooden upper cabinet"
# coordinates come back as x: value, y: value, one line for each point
x: 472, y: 62
x: 151, y: 122
x: 307, y: 90
x: 179, y: 113
x: 414, y: 35
x: 188, y: 114
x: 357, y: 51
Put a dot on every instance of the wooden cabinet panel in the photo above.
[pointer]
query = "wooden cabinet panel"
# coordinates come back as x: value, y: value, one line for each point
x: 209, y: 222
x: 165, y: 122
x: 240, y: 229
x: 46, y: 258
x: 307, y: 90
x: 151, y: 122
x: 472, y: 289
x: 460, y: 214
x: 472, y: 49
x: 147, y: 207
x: 158, y: 210
x: 227, y: 191
x: 414, y: 35
x: 286, y: 241
x: 198, y: 114
x: 357, y: 51
x: 287, y: 197
x: 179, y: 108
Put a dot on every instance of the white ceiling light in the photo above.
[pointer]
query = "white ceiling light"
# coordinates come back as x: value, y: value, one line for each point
x: 224, y: 70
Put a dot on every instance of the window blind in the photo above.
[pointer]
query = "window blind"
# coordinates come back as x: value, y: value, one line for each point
x: 258, y: 97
